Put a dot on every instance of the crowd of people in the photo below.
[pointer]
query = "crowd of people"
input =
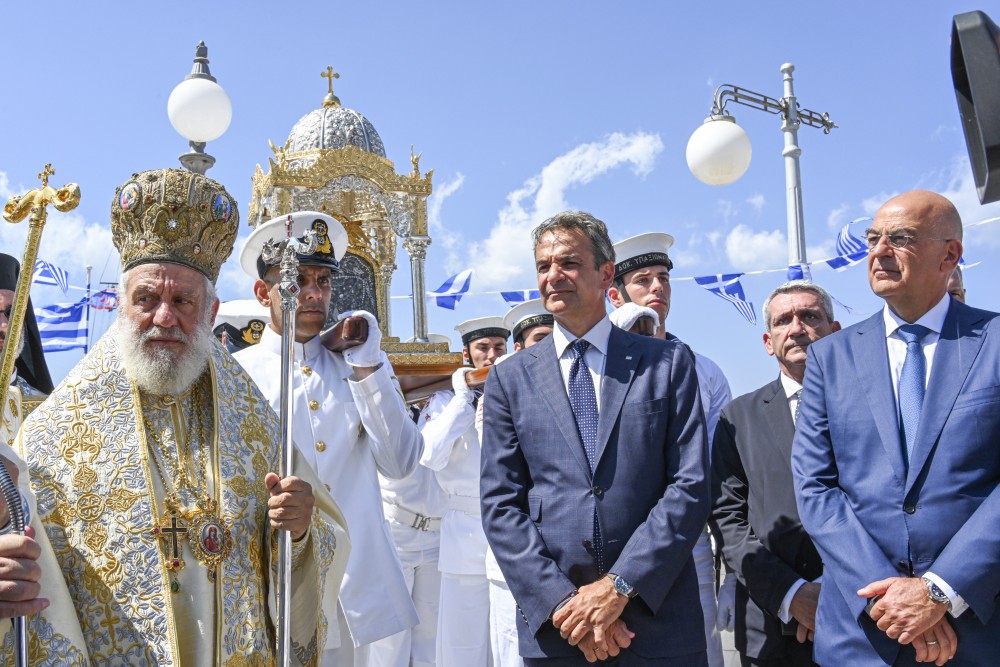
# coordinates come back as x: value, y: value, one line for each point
x: 601, y: 499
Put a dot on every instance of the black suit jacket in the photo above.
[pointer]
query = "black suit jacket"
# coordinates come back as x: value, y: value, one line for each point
x: 754, y: 515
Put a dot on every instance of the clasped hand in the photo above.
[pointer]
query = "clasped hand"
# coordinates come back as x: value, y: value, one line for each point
x: 290, y: 505
x: 590, y: 621
x: 906, y: 613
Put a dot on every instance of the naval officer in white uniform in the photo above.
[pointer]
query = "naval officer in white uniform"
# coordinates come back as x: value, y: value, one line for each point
x: 451, y: 450
x: 350, y: 423
x: 642, y: 276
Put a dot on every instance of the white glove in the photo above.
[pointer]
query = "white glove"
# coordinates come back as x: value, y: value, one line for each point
x: 626, y: 315
x: 462, y: 390
x: 369, y: 353
x: 725, y: 618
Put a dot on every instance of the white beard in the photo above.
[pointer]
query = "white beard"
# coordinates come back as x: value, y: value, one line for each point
x: 160, y: 371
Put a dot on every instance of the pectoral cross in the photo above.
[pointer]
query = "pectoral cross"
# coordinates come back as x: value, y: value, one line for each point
x: 172, y: 529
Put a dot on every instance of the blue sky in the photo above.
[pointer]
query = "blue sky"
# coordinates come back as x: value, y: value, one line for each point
x: 522, y: 109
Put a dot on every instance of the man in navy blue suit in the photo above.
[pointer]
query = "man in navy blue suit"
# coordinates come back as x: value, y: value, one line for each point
x: 594, y: 473
x: 896, y: 458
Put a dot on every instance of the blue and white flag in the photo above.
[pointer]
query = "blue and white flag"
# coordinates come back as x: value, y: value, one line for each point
x: 451, y: 291
x: 62, y: 326
x: 799, y: 272
x: 727, y: 286
x: 50, y: 274
x: 520, y: 296
x: 850, y: 249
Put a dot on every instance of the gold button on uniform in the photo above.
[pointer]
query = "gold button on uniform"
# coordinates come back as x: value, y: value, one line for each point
x: 314, y: 405
x: 320, y: 446
x: 307, y: 371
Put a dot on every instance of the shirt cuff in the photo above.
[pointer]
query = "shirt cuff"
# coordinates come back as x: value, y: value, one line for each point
x: 784, y: 611
x: 958, y: 603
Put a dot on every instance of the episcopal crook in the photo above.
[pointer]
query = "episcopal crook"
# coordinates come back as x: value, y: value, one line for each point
x: 34, y: 202
x: 287, y: 252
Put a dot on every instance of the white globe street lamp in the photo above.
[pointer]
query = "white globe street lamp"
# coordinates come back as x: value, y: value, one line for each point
x: 719, y: 151
x: 200, y: 111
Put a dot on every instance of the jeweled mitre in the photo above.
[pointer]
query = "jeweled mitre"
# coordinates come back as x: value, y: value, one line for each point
x: 177, y: 216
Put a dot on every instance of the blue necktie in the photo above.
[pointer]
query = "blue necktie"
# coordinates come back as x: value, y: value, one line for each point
x: 911, y: 384
x: 583, y: 401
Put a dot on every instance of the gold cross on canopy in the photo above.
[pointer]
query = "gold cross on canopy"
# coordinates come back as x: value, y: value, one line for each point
x: 330, y: 100
x: 330, y: 75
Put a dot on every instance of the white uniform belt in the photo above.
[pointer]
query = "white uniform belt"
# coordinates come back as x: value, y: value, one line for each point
x: 467, y: 504
x: 410, y: 518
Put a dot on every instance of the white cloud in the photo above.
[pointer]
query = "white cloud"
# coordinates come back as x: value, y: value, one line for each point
x: 504, y: 256
x: 68, y: 241
x: 839, y: 217
x: 871, y: 205
x: 436, y: 201
x: 960, y: 188
x: 757, y: 201
x: 748, y: 250
x: 727, y: 209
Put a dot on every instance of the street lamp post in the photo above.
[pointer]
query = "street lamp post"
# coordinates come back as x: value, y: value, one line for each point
x: 719, y: 151
x: 200, y: 111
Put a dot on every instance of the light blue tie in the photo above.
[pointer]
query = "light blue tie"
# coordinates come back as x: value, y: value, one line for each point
x: 583, y: 401
x: 911, y: 384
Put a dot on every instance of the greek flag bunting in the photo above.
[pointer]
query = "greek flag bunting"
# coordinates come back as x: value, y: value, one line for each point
x: 451, y: 291
x: 520, y: 296
x: 727, y: 286
x: 850, y: 249
x: 799, y: 272
x: 62, y: 326
x: 47, y: 273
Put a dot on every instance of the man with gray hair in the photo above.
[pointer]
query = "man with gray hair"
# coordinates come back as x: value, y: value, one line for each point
x: 594, y: 468
x: 754, y: 515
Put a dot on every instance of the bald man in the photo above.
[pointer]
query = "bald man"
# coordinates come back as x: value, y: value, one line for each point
x: 895, y: 458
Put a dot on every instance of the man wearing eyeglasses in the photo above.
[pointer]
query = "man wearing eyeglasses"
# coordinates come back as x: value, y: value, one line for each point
x: 896, y: 458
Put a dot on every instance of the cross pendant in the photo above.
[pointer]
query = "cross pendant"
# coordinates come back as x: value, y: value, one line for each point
x: 172, y: 529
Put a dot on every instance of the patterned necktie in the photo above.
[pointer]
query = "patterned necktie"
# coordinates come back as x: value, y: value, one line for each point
x: 911, y: 384
x: 798, y: 404
x: 583, y: 401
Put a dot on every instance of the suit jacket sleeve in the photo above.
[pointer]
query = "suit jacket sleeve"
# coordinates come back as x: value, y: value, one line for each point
x: 849, y: 552
x: 515, y: 540
x: 661, y: 546
x: 767, y: 578
x: 971, y: 561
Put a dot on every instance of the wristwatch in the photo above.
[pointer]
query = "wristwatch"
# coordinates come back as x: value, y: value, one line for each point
x: 622, y: 587
x: 935, y: 593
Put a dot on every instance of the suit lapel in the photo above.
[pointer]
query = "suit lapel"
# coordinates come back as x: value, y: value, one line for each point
x: 871, y: 363
x: 544, y: 373
x: 957, y: 349
x: 619, y: 369
x: 779, y: 418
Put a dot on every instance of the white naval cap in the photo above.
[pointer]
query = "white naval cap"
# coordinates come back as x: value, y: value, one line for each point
x: 243, y: 321
x: 637, y: 252
x: 526, y: 315
x: 481, y: 327
x: 331, y: 240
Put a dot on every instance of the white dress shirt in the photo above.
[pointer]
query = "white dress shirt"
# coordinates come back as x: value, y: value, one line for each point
x: 933, y: 319
x: 594, y: 357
